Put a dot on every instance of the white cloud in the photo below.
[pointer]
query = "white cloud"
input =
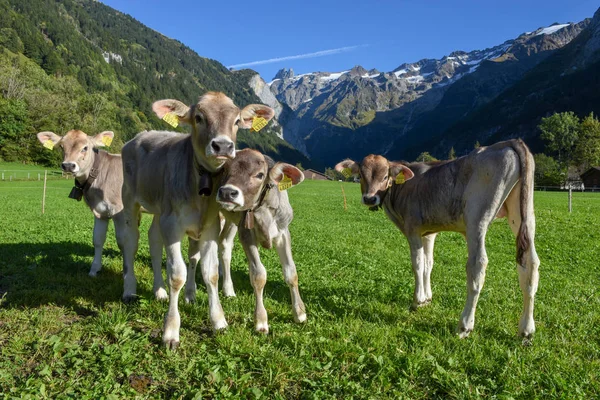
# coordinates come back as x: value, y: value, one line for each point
x: 299, y: 56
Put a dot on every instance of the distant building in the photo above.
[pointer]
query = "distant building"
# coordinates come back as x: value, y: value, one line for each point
x: 591, y: 178
x: 312, y: 174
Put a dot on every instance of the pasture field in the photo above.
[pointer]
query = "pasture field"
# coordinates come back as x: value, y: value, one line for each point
x: 66, y: 335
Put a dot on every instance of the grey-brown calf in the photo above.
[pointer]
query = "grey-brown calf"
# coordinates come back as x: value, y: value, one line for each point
x: 463, y: 195
x: 101, y: 192
x: 164, y: 172
x: 249, y: 197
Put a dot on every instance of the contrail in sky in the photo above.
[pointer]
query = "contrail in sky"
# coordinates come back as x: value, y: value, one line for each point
x: 299, y: 56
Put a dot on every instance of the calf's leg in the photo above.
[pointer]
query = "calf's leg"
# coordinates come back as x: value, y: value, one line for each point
x: 128, y: 235
x: 417, y: 254
x: 100, y: 228
x: 476, y: 267
x: 155, y: 243
x: 176, y: 276
x: 283, y: 244
x: 193, y: 259
x: 528, y: 265
x: 428, y: 242
x: 225, y: 248
x: 258, y: 279
x: 209, y: 265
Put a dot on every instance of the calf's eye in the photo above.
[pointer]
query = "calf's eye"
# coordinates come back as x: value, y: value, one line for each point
x: 198, y: 118
x: 84, y: 149
x: 260, y: 176
x: 386, y: 178
x: 237, y: 121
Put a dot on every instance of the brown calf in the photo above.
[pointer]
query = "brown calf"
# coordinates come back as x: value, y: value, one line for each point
x: 463, y: 195
x: 98, y: 179
x: 250, y: 198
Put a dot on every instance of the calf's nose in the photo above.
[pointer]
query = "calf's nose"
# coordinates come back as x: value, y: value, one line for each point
x: 67, y: 166
x: 222, y: 146
x: 369, y: 200
x: 228, y: 194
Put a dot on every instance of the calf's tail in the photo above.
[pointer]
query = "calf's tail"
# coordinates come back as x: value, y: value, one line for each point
x: 527, y: 165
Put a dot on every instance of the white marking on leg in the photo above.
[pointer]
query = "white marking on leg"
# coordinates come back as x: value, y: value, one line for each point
x: 428, y: 242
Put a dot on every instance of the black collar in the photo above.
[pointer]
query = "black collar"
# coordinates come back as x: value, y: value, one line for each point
x: 249, y: 214
x: 79, y: 189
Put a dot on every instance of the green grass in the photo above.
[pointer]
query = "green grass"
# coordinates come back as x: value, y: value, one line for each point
x: 64, y: 334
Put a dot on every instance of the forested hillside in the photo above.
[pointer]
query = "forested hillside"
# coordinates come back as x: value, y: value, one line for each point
x: 81, y: 64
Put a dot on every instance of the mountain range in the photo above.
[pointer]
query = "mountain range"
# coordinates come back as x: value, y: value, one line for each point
x: 436, y: 104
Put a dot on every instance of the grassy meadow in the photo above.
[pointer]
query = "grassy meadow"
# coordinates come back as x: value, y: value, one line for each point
x: 66, y: 335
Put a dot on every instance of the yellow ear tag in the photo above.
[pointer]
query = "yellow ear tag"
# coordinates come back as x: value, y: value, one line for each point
x: 400, y: 178
x: 171, y: 119
x: 285, y: 183
x: 49, y: 144
x: 347, y: 172
x: 106, y: 140
x: 258, y: 123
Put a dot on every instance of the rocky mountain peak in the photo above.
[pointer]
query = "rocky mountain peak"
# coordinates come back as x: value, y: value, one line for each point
x: 284, y: 73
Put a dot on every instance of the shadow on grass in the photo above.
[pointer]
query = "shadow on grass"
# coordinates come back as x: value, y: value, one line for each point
x: 35, y: 274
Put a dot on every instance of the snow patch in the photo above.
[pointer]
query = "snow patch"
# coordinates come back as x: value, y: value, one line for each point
x: 273, y: 81
x: 551, y: 29
x: 370, y: 76
x: 334, y: 76
x: 400, y: 72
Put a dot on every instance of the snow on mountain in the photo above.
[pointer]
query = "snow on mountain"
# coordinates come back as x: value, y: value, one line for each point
x: 551, y: 29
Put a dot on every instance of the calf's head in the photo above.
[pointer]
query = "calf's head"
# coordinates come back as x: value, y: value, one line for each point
x: 215, y: 121
x: 77, y: 148
x: 376, y: 175
x: 246, y: 175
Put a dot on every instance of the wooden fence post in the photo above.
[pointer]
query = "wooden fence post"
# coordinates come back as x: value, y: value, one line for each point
x: 44, y: 195
x: 570, y: 199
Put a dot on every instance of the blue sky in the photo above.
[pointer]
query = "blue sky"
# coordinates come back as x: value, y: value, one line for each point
x: 374, y: 34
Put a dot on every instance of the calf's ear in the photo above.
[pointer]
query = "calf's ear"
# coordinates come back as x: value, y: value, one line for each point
x: 103, y: 139
x: 396, y: 168
x: 280, y: 170
x: 174, y: 107
x: 347, y: 163
x: 43, y: 137
x: 255, y: 110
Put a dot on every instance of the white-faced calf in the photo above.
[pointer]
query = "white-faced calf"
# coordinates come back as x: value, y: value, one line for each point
x: 463, y: 195
x: 249, y: 196
x: 98, y: 180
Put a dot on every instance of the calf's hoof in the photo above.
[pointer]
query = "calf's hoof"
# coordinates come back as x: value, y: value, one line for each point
x: 262, y: 327
x: 418, y: 304
x: 171, y: 344
x: 94, y: 270
x: 161, y: 294
x: 527, y: 328
x: 190, y: 297
x: 130, y: 298
x: 228, y: 291
x: 462, y: 332
x: 220, y: 325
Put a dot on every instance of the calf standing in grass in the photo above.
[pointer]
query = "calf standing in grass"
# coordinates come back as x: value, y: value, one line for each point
x: 98, y: 180
x: 250, y: 198
x: 463, y: 195
x: 174, y: 177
